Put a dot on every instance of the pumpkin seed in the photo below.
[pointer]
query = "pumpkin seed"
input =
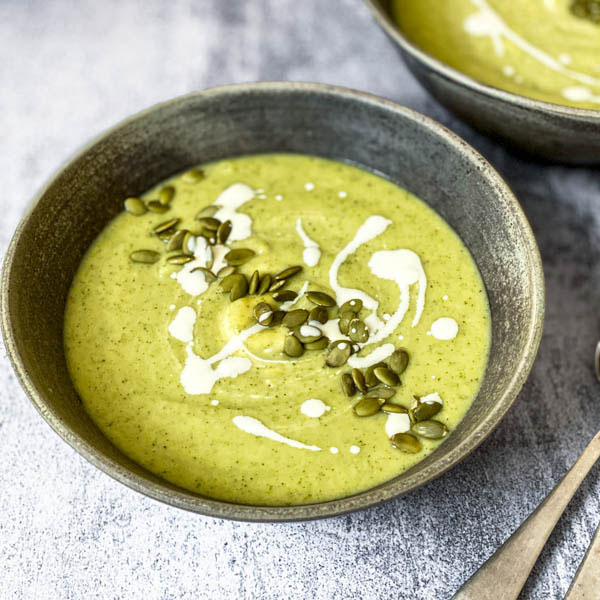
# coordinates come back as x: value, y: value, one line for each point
x: 226, y: 271
x: 347, y: 385
x: 295, y: 318
x: 193, y: 176
x: 208, y: 211
x: 432, y: 430
x: 266, y: 318
x: 399, y: 361
x: 406, y: 442
x: 260, y: 308
x: 307, y: 334
x: 423, y: 411
x: 209, y: 223
x: 359, y: 380
x: 223, y: 231
x: 253, y: 284
x: 277, y: 285
x: 370, y: 378
x: 357, y: 331
x: 320, y: 314
x: 165, y: 236
x: 229, y: 281
x: 344, y: 323
x: 338, y: 355
x: 156, y: 207
x: 284, y: 296
x: 320, y: 344
x: 135, y: 206
x: 209, y: 276
x: 179, y: 259
x: 367, y: 407
x: 385, y: 393
x: 165, y: 225
x: 352, y: 306
x: 239, y: 256
x: 188, y: 244
x: 147, y: 257
x: 277, y: 318
x: 386, y: 376
x: 265, y: 283
x: 287, y: 273
x: 166, y: 194
x: 391, y: 408
x: 176, y: 240
x: 239, y: 289
x: 292, y: 346
x: 320, y: 298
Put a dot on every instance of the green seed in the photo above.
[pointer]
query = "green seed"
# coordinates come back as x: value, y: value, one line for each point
x: 386, y: 376
x: 357, y: 331
x: 253, y: 284
x: 147, y: 257
x: 384, y: 393
x: 156, y: 207
x: 344, y: 323
x: 367, y: 407
x: 277, y: 285
x: 135, y: 206
x: 342, y: 343
x: 320, y: 344
x: 165, y: 225
x: 265, y: 283
x: 166, y: 194
x: 176, y: 240
x: 359, y: 380
x: 370, y: 378
x: 193, y: 176
x: 390, y: 408
x: 287, y: 273
x: 423, y: 411
x: 239, y: 288
x: 223, y: 231
x: 399, y: 361
x: 277, y: 318
x: 347, y: 385
x: 586, y: 9
x: 432, y: 430
x: 208, y: 211
x: 320, y: 298
x: 260, y: 308
x: 185, y: 243
x: 209, y: 223
x: 229, y: 281
x: 338, y: 355
x: 284, y: 296
x: 352, y: 306
x: 226, y: 271
x: 308, y: 334
x: 239, y: 256
x: 295, y: 318
x: 292, y: 346
x: 320, y: 314
x: 406, y: 442
x: 179, y: 259
x: 209, y: 276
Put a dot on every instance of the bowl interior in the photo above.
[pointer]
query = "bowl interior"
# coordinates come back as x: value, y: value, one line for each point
x: 403, y: 146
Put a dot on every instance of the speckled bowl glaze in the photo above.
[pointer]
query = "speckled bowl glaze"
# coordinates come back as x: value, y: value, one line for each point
x: 404, y: 146
x: 549, y: 131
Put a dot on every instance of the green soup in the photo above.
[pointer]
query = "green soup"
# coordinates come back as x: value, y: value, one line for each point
x: 185, y: 381
x: 536, y: 48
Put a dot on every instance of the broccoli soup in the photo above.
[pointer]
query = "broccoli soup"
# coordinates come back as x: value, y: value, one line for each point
x: 277, y: 330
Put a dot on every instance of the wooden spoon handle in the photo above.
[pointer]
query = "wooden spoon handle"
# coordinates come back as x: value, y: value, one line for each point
x: 503, y: 575
x: 586, y: 583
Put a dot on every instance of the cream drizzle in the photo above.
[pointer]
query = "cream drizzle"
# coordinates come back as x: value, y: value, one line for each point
x: 182, y: 326
x: 312, y: 252
x: 444, y: 328
x: 194, y: 282
x: 314, y: 408
x: 255, y: 427
x: 397, y: 423
x: 229, y: 200
x: 487, y: 22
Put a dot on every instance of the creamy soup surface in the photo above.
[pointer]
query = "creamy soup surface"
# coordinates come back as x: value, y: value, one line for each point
x: 543, y: 49
x: 189, y: 384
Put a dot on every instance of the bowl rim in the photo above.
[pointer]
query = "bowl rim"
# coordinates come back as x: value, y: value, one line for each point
x: 445, y: 70
x: 181, y: 498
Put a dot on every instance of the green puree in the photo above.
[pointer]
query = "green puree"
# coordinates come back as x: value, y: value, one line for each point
x: 126, y: 366
x: 543, y: 49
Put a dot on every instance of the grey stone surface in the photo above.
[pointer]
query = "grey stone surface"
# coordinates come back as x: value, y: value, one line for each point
x: 71, y: 69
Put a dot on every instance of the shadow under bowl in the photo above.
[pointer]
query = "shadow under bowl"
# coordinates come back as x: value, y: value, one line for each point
x: 550, y: 131
x: 408, y: 148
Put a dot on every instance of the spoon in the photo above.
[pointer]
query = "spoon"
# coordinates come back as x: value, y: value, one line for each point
x: 503, y: 575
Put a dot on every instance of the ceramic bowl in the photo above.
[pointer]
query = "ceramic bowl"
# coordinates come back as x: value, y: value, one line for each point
x: 550, y: 131
x: 404, y: 146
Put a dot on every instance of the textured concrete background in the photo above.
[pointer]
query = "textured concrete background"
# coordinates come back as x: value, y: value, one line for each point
x: 68, y: 70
